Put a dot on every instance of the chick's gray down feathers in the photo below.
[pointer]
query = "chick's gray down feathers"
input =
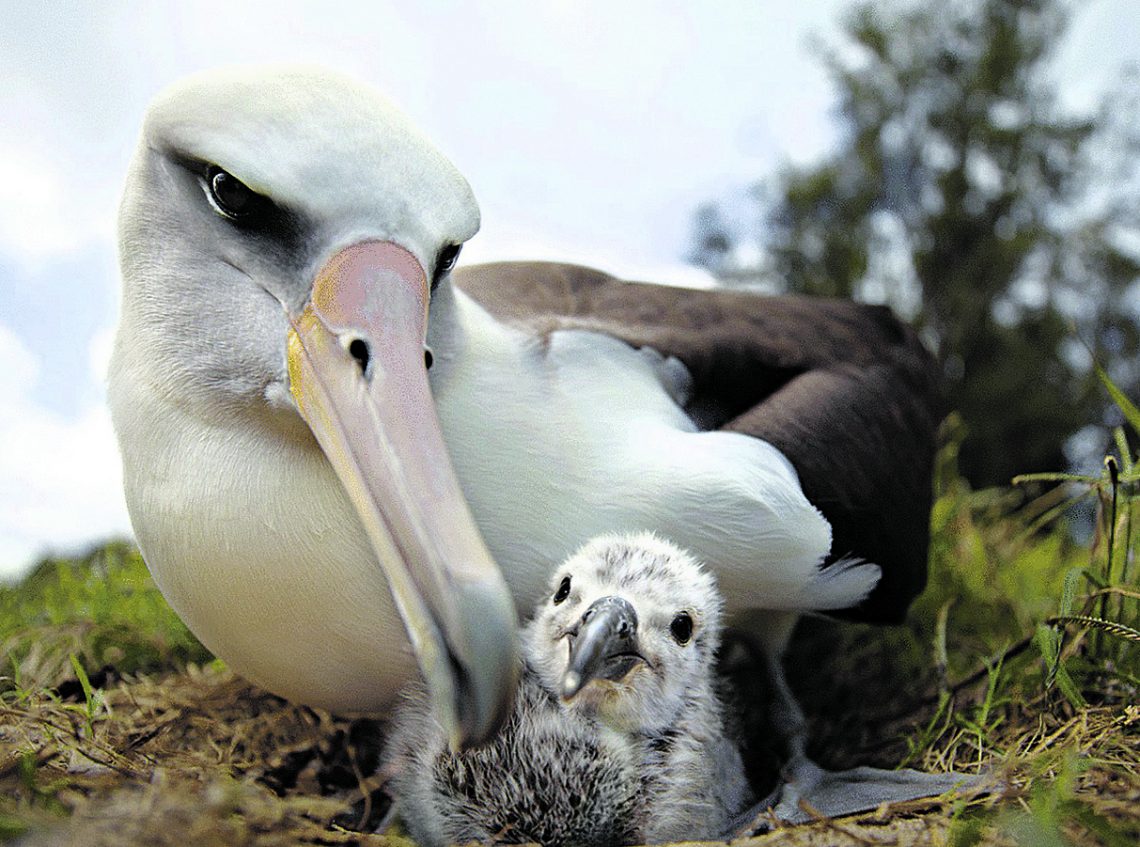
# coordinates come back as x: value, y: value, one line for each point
x: 645, y: 761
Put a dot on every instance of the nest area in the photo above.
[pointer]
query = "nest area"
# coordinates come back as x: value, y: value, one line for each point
x: 201, y: 757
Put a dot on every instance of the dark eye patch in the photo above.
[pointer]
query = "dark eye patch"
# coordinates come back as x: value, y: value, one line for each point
x: 563, y: 590
x: 253, y: 213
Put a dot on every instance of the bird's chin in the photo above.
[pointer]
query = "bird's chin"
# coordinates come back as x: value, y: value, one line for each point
x: 282, y: 413
x: 608, y: 698
x: 279, y: 399
x: 598, y: 696
x: 616, y: 705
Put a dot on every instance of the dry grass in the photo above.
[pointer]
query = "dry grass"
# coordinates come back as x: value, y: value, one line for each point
x: 201, y: 757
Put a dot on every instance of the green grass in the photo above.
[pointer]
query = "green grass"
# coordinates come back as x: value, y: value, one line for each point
x: 85, y: 614
x: 1036, y: 633
x: 1020, y: 658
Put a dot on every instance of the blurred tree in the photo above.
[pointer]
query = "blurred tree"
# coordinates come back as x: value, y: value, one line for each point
x: 960, y: 195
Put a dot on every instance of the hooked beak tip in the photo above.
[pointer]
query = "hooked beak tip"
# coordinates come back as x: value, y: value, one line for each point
x: 571, y: 684
x: 482, y: 683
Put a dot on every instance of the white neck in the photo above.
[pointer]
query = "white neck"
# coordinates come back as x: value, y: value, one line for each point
x: 252, y: 540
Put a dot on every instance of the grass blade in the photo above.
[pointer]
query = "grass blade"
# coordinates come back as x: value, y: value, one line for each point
x: 1055, y: 476
x: 1113, y: 468
x: 81, y: 675
x: 1131, y: 413
x: 1042, y: 521
x: 1069, y: 590
x: 1048, y: 641
x: 1111, y: 627
x: 1117, y: 591
x: 941, y: 656
x: 1125, y: 453
x: 90, y: 697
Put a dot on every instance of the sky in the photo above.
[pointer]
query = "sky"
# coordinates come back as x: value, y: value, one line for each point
x: 589, y: 130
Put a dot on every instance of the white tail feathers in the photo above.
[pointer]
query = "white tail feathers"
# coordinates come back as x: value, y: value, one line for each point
x: 840, y: 585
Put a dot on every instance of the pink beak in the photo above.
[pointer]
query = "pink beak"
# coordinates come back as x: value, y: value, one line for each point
x: 357, y: 373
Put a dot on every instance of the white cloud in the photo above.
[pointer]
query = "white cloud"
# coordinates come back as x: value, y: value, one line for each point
x: 100, y: 349
x: 501, y: 243
x: 62, y: 479
x: 60, y: 184
x: 41, y: 222
x: 21, y: 368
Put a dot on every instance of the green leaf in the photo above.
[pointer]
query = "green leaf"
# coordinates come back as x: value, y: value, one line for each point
x: 90, y: 695
x: 81, y: 675
x: 1055, y: 476
x: 1123, y: 449
x: 1048, y: 641
x: 1069, y: 590
x: 1131, y: 413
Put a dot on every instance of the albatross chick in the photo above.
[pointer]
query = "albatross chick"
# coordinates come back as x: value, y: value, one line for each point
x: 616, y: 734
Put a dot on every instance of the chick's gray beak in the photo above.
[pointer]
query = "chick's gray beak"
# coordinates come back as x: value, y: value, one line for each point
x: 603, y: 644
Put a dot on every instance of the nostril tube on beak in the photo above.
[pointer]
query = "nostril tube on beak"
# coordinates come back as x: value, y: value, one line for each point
x: 358, y: 349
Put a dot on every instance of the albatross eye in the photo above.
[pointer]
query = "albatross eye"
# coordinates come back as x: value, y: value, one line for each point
x: 563, y: 590
x: 682, y: 627
x: 233, y: 198
x: 448, y: 256
x: 446, y: 260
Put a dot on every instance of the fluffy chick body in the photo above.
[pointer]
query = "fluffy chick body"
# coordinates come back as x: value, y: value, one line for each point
x: 640, y: 759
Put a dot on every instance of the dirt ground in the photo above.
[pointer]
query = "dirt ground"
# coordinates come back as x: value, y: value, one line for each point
x: 204, y: 758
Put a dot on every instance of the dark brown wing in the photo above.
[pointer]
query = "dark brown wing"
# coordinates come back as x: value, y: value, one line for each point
x: 844, y: 390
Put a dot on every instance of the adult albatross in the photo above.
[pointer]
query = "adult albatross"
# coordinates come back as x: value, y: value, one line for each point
x: 315, y: 510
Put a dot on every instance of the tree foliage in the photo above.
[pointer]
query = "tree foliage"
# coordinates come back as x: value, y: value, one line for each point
x: 962, y: 195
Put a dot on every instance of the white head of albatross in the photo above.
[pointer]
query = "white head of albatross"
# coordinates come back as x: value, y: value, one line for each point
x: 280, y: 234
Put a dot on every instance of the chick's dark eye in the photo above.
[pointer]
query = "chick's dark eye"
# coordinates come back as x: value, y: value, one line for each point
x: 682, y: 627
x: 232, y: 196
x: 563, y: 590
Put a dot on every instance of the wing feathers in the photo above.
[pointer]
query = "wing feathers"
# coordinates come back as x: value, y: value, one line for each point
x: 845, y: 390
